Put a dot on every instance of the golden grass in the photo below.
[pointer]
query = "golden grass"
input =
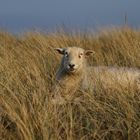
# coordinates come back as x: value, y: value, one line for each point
x: 27, y: 67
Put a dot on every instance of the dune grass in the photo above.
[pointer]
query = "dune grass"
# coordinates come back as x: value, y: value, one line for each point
x: 28, y: 64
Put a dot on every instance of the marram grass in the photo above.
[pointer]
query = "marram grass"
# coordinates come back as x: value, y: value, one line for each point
x: 28, y: 64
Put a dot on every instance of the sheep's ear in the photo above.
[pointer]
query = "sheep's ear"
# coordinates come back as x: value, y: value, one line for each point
x: 89, y: 52
x: 60, y: 50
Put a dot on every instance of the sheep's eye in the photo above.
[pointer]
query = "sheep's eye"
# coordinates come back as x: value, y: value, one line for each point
x: 80, y: 55
x: 66, y: 54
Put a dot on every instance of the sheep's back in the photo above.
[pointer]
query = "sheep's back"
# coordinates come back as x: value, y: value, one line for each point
x: 113, y: 76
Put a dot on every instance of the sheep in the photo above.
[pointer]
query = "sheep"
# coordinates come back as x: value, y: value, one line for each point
x: 74, y: 72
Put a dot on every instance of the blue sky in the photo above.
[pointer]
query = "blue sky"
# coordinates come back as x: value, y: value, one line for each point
x: 19, y: 15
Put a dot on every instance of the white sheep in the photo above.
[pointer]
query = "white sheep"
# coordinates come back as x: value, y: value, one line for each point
x: 74, y: 72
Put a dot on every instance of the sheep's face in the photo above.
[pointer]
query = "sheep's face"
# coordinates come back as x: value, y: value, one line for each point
x: 73, y: 60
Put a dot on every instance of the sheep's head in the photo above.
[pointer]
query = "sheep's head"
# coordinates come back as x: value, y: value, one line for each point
x: 74, y: 58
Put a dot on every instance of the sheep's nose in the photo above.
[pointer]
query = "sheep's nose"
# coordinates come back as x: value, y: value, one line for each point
x: 71, y: 65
